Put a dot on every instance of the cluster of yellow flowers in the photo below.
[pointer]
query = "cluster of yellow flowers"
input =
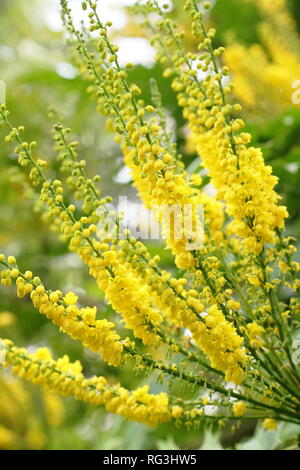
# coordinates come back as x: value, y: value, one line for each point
x: 264, y: 73
x: 21, y: 426
x: 79, y: 323
x: 221, y: 316
x: 237, y: 170
x: 65, y: 378
x: 161, y: 185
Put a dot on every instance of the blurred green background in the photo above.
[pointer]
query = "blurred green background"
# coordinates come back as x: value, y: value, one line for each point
x: 40, y: 72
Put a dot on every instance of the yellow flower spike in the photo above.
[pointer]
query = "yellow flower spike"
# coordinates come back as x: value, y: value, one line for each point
x: 66, y: 378
x: 173, y: 189
x: 236, y: 169
x: 80, y: 324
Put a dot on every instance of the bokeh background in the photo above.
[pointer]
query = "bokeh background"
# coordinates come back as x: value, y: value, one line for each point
x: 40, y: 72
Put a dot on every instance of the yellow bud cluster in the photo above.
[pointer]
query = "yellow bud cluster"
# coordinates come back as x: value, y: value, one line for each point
x: 126, y: 293
x: 237, y: 170
x: 220, y: 341
x: 79, y: 323
x: 167, y: 192
x: 66, y: 378
x: 254, y: 332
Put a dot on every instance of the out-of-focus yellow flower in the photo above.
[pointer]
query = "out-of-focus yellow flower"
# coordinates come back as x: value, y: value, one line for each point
x: 270, y: 424
x: 239, y: 408
x: 7, y: 319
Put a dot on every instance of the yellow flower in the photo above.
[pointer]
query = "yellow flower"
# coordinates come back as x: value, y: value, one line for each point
x: 270, y: 424
x: 239, y: 408
x: 70, y: 298
x: 7, y: 319
x: 177, y: 411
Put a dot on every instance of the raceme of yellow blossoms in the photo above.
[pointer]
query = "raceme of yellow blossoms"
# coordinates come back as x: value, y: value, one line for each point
x: 237, y: 169
x: 264, y: 73
x: 217, y: 317
x: 66, y: 378
x: 79, y: 323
